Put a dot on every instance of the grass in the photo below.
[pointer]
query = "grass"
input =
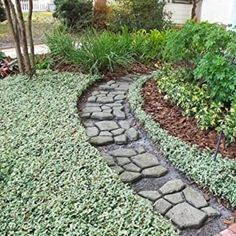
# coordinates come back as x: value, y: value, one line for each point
x: 53, y: 182
x: 43, y: 22
x: 219, y: 177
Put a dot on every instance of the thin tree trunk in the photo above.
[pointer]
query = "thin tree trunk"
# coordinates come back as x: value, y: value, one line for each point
x: 12, y: 19
x: 23, y: 37
x: 30, y: 34
x: 194, y: 9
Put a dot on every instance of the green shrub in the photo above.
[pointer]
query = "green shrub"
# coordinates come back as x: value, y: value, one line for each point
x: 2, y: 13
x: 98, y: 52
x: 142, y: 14
x: 76, y: 14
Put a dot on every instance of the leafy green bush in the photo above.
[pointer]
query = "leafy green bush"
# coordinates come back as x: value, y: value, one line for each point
x: 2, y: 13
x: 53, y: 182
x: 217, y: 176
x: 76, y: 14
x: 142, y: 14
x: 98, y: 52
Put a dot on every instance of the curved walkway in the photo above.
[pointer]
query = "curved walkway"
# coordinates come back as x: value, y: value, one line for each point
x: 128, y: 151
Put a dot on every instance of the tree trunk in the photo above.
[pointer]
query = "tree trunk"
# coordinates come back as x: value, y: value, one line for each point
x: 30, y: 34
x: 23, y: 37
x: 12, y: 19
x: 194, y: 10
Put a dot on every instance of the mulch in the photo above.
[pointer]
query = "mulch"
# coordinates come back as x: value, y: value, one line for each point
x: 170, y: 118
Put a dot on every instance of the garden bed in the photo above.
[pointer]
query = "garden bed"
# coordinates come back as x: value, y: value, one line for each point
x: 53, y: 182
x: 170, y: 118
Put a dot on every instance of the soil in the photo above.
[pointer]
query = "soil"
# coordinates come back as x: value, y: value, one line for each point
x: 170, y: 118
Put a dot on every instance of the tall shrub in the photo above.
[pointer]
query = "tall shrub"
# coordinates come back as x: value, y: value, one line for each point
x: 141, y: 14
x: 76, y: 14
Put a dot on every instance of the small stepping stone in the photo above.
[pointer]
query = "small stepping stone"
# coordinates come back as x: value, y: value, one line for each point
x: 154, y: 172
x: 123, y: 160
x: 195, y: 198
x: 117, y: 169
x: 105, y: 133
x: 85, y: 115
x: 132, y: 134
x: 123, y: 152
x: 107, y: 125
x: 119, y: 97
x: 150, y: 195
x: 186, y: 216
x: 130, y: 177
x: 92, y: 109
x: 102, y: 115
x: 145, y: 160
x: 124, y: 124
x: 111, y: 82
x: 210, y: 211
x: 105, y: 99
x: 132, y: 167
x: 174, y: 198
x: 101, y: 140
x: 172, y: 186
x: 121, y: 139
x: 118, y: 131
x: 92, y: 99
x: 92, y: 131
x: 140, y: 149
x: 109, y: 159
x: 162, y: 206
x: 120, y: 115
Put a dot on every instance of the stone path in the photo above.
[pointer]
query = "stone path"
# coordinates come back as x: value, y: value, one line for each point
x: 125, y: 147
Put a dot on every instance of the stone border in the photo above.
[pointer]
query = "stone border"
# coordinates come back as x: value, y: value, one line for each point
x: 218, y: 177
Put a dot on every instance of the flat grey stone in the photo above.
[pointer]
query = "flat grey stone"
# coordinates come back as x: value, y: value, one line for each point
x: 105, y: 87
x: 109, y: 159
x: 95, y: 93
x: 140, y: 149
x: 102, y: 115
x: 93, y: 104
x: 174, y: 198
x: 111, y: 82
x: 132, y: 134
x: 121, y: 139
x: 92, y: 109
x: 162, y: 206
x: 118, y: 131
x: 132, y: 167
x: 186, y: 216
x: 150, y: 195
x: 194, y: 198
x: 123, y: 152
x: 122, y: 160
x: 85, y: 115
x: 107, y: 125
x: 124, y: 124
x: 105, y: 133
x: 117, y: 169
x: 101, y: 140
x: 116, y: 104
x: 92, y: 131
x: 130, y: 177
x: 119, y: 97
x: 172, y: 186
x: 154, y: 172
x: 88, y: 123
x: 120, y: 115
x: 210, y: 211
x: 105, y: 99
x: 92, y: 99
x: 104, y: 107
x: 145, y: 160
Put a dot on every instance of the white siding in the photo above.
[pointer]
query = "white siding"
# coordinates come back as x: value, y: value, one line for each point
x: 218, y: 11
x: 180, y: 13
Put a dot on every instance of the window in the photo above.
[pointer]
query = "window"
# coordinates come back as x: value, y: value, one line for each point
x: 182, y: 1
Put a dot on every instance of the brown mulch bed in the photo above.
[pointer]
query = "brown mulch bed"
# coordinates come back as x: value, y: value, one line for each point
x: 170, y: 118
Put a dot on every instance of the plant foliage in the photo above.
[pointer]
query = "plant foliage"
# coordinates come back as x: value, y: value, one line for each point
x: 53, y: 182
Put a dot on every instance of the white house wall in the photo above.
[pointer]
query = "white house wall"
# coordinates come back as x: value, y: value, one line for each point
x: 180, y: 13
x: 219, y: 11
